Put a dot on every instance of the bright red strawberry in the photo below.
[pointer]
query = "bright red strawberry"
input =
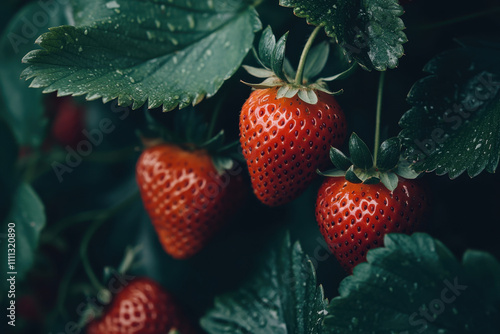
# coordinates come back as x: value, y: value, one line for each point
x: 185, y: 197
x: 354, y: 218
x: 285, y: 140
x: 142, y: 307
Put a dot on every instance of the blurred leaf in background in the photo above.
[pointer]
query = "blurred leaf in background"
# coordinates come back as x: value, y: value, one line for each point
x: 23, y: 106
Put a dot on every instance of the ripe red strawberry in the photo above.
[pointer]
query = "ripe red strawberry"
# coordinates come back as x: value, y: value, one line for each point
x: 285, y: 140
x: 290, y: 121
x: 187, y: 199
x: 354, y: 218
x: 142, y: 307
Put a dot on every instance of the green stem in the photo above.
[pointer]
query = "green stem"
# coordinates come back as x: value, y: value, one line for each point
x: 459, y: 19
x: 378, y: 117
x: 303, y: 57
x: 83, y: 254
x: 64, y: 285
x: 128, y: 260
x: 215, y: 116
x: 91, y: 231
x: 51, y: 233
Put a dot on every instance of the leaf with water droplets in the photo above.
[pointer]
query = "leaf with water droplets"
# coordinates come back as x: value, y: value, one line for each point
x: 414, y: 285
x: 454, y: 125
x: 370, y: 31
x: 165, y: 52
x: 282, y: 298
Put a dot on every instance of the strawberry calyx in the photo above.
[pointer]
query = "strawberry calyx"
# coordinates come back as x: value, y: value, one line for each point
x: 190, y: 132
x: 278, y: 72
x: 361, y: 167
x: 104, y: 295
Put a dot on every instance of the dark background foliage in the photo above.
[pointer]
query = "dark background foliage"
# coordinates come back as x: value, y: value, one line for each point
x: 465, y: 212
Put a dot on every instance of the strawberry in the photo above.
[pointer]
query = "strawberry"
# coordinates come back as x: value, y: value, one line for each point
x: 68, y: 122
x: 142, y: 307
x: 186, y: 197
x: 356, y: 208
x: 287, y: 126
x: 354, y: 217
x: 285, y: 140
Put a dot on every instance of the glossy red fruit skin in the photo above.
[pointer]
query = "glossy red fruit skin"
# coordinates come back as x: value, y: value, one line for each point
x: 353, y: 218
x: 185, y: 197
x: 285, y: 140
x: 142, y: 307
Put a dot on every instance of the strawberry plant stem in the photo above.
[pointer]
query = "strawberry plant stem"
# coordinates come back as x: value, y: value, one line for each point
x: 378, y: 116
x: 215, y: 116
x: 303, y: 57
x: 128, y: 259
x: 83, y: 254
x: 459, y: 19
x: 90, y: 232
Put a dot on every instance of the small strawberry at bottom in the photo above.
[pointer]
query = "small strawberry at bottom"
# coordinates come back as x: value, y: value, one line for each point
x: 142, y: 307
x: 354, y: 217
x: 186, y: 197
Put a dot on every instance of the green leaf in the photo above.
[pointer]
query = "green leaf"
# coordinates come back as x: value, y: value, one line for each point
x: 28, y: 215
x: 454, y: 124
x: 339, y: 159
x: 370, y: 31
x: 332, y: 173
x: 267, y: 44
x: 287, y: 91
x: 258, y: 72
x: 367, y: 176
x: 282, y: 298
x: 278, y: 58
x: 215, y: 142
x: 165, y: 52
x: 404, y: 169
x: 389, y: 154
x: 342, y: 75
x: 360, y: 153
x: 289, y: 70
x: 416, y: 285
x: 308, y: 96
x: 389, y: 180
x: 23, y: 110
x: 316, y: 60
x: 351, y: 176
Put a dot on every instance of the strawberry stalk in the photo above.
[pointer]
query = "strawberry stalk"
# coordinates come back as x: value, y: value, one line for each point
x: 214, y: 118
x: 98, y: 222
x: 378, y: 116
x: 459, y: 19
x: 303, y: 57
